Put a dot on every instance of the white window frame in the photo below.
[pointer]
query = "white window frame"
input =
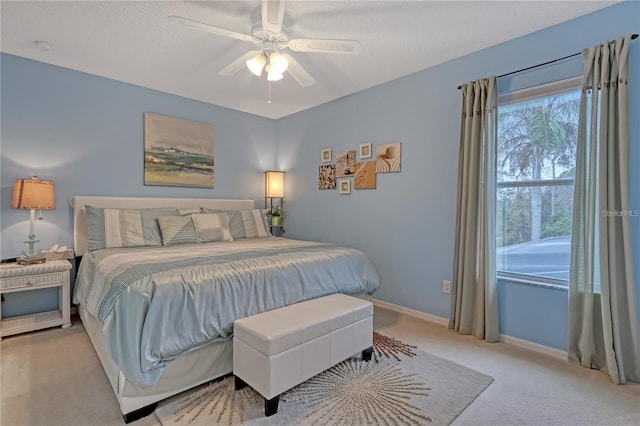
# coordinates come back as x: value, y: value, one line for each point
x: 522, y: 95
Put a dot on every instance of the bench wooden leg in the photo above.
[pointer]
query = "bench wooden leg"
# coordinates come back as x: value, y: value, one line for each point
x: 240, y: 383
x: 271, y: 406
x: 366, y: 354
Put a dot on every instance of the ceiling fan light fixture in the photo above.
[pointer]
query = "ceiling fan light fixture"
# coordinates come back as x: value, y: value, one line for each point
x: 278, y: 63
x: 269, y: 37
x: 274, y: 76
x: 256, y: 64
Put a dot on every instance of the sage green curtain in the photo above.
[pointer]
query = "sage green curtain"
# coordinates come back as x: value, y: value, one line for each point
x: 603, y: 319
x: 474, y: 301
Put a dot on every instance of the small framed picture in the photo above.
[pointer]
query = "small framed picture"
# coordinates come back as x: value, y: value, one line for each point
x: 345, y: 186
x: 345, y: 163
x: 326, y: 155
x: 365, y: 150
x: 365, y: 177
x: 327, y: 177
x: 388, y: 157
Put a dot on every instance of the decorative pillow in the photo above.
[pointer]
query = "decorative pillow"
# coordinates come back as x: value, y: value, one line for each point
x: 150, y: 228
x: 211, y: 227
x: 108, y: 228
x: 246, y: 223
x: 188, y: 211
x: 177, y: 230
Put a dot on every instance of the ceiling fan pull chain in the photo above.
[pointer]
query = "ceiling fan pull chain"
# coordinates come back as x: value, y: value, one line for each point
x: 269, y: 88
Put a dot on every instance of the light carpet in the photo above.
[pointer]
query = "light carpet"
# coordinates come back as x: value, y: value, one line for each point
x: 401, y: 385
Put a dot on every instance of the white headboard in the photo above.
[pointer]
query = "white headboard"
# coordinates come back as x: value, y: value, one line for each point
x: 80, y: 214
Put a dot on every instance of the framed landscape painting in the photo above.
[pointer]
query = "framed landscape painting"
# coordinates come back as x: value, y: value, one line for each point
x: 177, y: 152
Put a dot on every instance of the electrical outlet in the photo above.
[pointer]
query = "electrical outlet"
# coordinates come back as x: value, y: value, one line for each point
x: 446, y: 286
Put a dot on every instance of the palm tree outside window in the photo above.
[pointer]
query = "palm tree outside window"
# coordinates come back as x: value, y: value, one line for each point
x: 537, y: 134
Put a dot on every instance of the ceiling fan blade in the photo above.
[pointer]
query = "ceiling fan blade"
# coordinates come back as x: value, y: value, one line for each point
x: 209, y: 28
x: 298, y: 73
x: 238, y: 64
x: 272, y: 15
x: 349, y: 47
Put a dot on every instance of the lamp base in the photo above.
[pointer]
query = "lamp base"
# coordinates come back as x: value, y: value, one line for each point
x: 32, y: 252
x: 30, y: 260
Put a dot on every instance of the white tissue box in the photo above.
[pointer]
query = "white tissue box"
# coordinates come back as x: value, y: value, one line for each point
x: 57, y: 255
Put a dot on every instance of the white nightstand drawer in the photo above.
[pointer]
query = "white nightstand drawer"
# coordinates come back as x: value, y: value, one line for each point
x: 31, y: 281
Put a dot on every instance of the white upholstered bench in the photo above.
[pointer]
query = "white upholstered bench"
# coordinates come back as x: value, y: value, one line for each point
x: 279, y: 349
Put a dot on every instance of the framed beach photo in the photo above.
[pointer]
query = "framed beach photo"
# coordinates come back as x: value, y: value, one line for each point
x: 365, y: 151
x: 326, y: 155
x: 345, y: 163
x: 365, y: 177
x: 345, y: 186
x: 388, y: 158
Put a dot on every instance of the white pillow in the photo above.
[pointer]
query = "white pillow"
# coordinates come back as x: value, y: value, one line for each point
x: 211, y: 227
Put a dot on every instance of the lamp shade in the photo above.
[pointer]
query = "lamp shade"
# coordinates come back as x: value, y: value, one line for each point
x: 273, y: 183
x: 273, y: 76
x: 277, y: 63
x: 256, y: 64
x: 33, y: 194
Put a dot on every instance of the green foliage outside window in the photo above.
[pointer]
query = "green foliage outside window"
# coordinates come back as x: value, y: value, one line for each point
x: 536, y: 142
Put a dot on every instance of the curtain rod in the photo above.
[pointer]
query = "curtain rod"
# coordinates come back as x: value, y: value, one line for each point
x: 633, y: 37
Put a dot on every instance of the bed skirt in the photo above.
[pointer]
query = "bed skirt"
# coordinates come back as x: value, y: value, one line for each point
x: 188, y: 370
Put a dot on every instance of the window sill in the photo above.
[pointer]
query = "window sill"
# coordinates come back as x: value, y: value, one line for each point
x: 533, y: 282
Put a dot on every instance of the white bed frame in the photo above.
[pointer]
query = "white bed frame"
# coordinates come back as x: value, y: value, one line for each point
x: 191, y: 369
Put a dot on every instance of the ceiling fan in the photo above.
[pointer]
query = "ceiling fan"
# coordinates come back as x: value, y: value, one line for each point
x: 272, y: 38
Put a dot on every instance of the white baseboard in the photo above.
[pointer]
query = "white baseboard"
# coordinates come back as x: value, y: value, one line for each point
x: 514, y: 341
x: 412, y: 312
x: 535, y: 347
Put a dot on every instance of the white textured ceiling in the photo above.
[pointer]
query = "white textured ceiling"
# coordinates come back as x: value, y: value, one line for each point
x: 134, y: 42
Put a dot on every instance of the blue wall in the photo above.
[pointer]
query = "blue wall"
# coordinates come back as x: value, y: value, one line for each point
x: 407, y: 224
x: 86, y: 133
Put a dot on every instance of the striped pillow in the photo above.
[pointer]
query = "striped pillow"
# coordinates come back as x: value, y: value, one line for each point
x: 211, y: 227
x: 254, y: 222
x: 177, y: 230
x: 245, y: 223
x: 107, y: 228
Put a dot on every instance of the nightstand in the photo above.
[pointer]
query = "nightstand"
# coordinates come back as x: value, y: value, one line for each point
x: 15, y: 278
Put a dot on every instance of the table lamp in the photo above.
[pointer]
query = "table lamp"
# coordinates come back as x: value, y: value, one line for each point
x: 33, y: 194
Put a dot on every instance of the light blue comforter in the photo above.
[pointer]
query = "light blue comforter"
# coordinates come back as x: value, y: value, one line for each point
x: 157, y: 303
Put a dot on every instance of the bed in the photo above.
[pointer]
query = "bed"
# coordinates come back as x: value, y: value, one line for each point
x: 160, y: 315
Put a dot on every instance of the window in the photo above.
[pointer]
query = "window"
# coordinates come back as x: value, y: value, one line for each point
x: 537, y: 134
